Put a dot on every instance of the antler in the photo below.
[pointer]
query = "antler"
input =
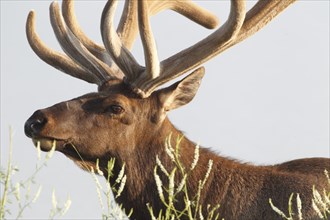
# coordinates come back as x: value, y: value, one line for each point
x: 239, y: 26
x: 89, y: 61
x: 97, y: 64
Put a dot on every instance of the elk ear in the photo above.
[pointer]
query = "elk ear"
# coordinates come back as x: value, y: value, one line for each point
x: 182, y: 92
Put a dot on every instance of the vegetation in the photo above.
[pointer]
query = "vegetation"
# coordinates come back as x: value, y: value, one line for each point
x: 112, y: 210
x: 320, y: 203
x: 24, y: 193
x: 193, y: 208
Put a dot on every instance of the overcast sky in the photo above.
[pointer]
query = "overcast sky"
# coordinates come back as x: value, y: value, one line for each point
x: 263, y: 101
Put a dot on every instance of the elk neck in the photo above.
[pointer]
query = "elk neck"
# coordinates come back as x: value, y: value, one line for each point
x: 140, y: 160
x: 140, y: 187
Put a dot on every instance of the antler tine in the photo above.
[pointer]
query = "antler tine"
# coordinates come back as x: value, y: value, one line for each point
x: 75, y: 49
x: 127, y: 28
x: 259, y: 16
x: 148, y: 42
x: 71, y: 21
x: 229, y: 34
x: 188, y: 9
x: 123, y: 58
x: 54, y: 58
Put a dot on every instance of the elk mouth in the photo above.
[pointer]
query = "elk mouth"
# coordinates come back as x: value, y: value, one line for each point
x: 67, y: 148
x: 64, y: 146
x: 46, y: 144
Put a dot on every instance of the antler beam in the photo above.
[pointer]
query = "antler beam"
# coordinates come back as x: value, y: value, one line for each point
x: 238, y: 27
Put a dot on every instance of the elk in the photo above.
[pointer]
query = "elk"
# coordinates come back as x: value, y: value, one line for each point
x: 127, y: 117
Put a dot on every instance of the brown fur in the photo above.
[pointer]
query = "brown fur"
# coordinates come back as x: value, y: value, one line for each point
x: 138, y: 134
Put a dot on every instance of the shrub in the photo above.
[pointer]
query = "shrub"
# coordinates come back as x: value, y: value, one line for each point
x: 25, y: 192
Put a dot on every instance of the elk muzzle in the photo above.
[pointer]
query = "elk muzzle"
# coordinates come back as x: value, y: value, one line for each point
x: 33, y: 129
x: 35, y: 124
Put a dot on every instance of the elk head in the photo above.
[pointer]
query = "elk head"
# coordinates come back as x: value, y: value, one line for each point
x: 128, y: 111
x: 120, y: 113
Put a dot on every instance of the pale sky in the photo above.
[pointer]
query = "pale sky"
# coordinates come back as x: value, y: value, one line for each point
x: 264, y: 101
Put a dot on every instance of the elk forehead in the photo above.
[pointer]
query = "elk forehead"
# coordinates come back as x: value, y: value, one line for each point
x: 120, y: 94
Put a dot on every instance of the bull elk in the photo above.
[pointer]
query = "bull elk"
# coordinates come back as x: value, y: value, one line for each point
x: 127, y: 117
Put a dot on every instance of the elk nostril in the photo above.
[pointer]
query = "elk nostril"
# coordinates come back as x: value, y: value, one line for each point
x: 35, y: 124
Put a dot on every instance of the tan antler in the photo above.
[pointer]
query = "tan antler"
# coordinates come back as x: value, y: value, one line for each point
x: 97, y: 64
x: 121, y: 54
x: 239, y: 26
x: 54, y: 58
x: 89, y: 61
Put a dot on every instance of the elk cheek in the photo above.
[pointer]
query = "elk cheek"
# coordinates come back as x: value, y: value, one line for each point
x: 126, y: 120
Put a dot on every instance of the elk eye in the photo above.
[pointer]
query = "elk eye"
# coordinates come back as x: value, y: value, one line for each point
x: 116, y: 109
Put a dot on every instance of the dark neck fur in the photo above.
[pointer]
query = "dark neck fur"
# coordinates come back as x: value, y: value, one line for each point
x: 238, y: 188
